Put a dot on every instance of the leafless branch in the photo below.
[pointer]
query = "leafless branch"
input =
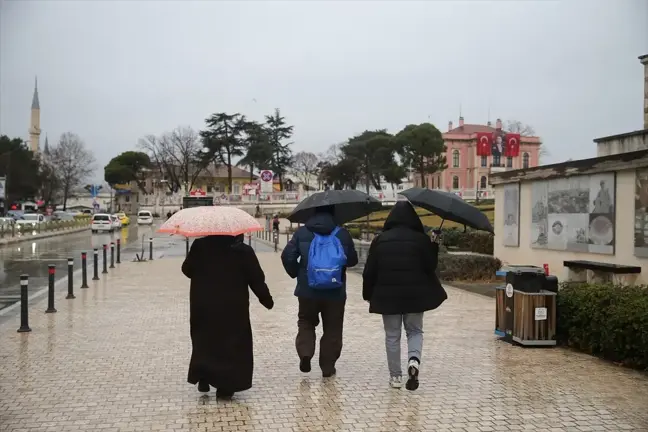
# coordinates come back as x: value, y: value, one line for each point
x: 72, y: 163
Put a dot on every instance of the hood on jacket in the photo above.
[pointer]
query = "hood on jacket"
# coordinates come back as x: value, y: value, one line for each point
x: 403, y: 214
x: 321, y: 223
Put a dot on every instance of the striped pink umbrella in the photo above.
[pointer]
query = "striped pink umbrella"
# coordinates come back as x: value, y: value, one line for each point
x: 212, y: 220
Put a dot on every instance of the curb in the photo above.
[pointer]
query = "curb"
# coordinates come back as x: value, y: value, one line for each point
x: 21, y: 239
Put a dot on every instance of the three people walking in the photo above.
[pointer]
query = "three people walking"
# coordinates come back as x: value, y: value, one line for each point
x: 399, y: 282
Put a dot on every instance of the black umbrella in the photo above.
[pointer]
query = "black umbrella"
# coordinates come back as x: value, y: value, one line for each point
x: 448, y: 206
x: 348, y: 205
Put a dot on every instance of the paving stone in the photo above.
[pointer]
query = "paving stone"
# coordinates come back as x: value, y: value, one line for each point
x: 116, y: 358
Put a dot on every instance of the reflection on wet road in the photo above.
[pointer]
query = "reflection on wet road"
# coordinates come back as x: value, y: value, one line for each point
x: 32, y: 258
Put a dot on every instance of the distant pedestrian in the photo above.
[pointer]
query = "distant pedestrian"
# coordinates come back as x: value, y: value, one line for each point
x: 221, y: 334
x: 400, y: 283
x: 318, y: 255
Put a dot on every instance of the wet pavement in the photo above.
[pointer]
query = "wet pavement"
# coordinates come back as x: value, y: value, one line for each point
x: 115, y: 359
x: 33, y: 257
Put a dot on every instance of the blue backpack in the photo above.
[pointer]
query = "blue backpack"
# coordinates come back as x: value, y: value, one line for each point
x: 326, y: 261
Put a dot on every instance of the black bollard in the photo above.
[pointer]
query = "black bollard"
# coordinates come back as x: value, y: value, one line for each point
x: 150, y: 248
x: 51, y: 269
x: 250, y: 240
x: 186, y: 246
x: 118, y: 251
x: 105, y: 259
x: 112, y: 254
x: 24, y: 298
x: 70, y: 294
x: 84, y: 270
x: 95, y: 275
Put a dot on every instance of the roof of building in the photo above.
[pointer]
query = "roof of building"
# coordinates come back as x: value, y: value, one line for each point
x: 614, y: 162
x: 221, y: 172
x: 35, y: 101
x: 621, y: 136
x: 471, y: 129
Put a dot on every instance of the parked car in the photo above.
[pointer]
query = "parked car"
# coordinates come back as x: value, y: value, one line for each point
x: 144, y: 217
x: 30, y: 221
x: 125, y: 220
x: 116, y: 223
x: 101, y: 222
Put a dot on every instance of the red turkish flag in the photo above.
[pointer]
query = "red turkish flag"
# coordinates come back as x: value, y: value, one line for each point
x: 512, y: 145
x: 484, y: 141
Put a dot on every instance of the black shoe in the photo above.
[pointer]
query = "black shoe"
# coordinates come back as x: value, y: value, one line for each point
x: 412, y: 373
x: 203, y: 387
x: 305, y: 365
x: 328, y: 373
x: 224, y: 394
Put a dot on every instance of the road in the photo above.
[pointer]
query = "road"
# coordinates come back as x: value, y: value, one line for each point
x: 32, y: 258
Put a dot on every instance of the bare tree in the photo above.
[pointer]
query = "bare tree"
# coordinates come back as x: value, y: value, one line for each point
x: 516, y: 126
x: 305, y: 167
x: 178, y: 156
x: 72, y: 163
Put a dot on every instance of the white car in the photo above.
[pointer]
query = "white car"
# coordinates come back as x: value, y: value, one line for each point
x: 116, y: 222
x: 30, y: 220
x: 101, y: 222
x: 144, y: 217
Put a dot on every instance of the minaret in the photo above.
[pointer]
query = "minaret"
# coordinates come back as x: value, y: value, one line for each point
x: 34, y: 126
x: 46, y: 150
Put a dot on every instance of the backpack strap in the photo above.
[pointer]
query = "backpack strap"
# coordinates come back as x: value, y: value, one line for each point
x: 335, y: 231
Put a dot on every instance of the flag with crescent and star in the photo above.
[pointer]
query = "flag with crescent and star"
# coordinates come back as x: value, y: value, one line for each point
x: 512, y: 145
x: 483, y: 143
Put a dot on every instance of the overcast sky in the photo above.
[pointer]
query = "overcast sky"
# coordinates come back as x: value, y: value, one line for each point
x: 114, y: 71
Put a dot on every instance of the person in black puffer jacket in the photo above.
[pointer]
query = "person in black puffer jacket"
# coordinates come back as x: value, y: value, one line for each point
x: 400, y: 283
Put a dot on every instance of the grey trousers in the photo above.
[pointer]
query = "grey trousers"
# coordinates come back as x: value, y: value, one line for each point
x: 413, y: 324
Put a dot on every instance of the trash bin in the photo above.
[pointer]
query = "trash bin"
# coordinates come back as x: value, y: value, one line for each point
x: 525, y: 307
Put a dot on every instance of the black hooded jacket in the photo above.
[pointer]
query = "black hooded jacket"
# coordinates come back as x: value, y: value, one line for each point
x: 399, y: 275
x: 295, y: 256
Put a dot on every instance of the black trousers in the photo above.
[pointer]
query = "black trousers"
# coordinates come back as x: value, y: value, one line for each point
x: 332, y: 312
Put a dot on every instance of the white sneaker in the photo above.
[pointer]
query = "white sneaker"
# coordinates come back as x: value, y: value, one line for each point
x: 412, y: 375
x: 395, y: 382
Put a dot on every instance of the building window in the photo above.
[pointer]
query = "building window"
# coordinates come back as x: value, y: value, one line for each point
x: 525, y: 160
x: 237, y: 188
x: 455, y: 158
x: 509, y: 162
x: 496, y: 160
x: 455, y: 182
x: 484, y: 161
x: 482, y: 183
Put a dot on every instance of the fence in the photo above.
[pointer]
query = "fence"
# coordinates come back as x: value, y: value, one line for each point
x: 23, y: 229
x: 161, y: 204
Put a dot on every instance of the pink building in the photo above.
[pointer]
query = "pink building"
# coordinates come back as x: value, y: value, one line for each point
x: 466, y: 170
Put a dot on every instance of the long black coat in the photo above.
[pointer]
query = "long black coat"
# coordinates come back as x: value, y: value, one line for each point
x: 399, y: 275
x: 221, y: 269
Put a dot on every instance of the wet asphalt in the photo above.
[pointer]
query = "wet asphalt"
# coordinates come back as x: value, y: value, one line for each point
x: 33, y: 257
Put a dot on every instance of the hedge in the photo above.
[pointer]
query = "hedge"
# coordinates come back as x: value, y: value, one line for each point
x: 470, y: 240
x: 467, y: 267
x: 605, y: 320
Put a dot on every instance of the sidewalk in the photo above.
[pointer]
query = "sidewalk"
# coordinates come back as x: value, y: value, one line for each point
x: 116, y: 358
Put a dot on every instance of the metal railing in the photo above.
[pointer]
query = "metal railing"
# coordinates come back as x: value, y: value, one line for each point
x: 9, y: 230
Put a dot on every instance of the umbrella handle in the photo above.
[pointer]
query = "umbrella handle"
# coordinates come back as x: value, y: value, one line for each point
x: 441, y: 226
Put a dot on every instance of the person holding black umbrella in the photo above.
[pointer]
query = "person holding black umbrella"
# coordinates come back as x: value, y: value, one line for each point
x: 400, y: 283
x: 317, y: 256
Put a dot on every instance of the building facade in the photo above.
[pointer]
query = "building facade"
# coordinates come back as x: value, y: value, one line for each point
x: 468, y: 171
